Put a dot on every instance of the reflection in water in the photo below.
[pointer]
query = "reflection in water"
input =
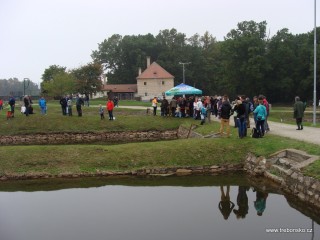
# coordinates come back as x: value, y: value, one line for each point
x: 242, y: 202
x: 225, y: 205
x: 260, y: 202
x: 185, y: 208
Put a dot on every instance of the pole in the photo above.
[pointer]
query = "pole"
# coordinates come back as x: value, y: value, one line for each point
x: 183, y: 70
x: 183, y: 79
x: 24, y: 85
x: 315, y: 66
x: 312, y: 237
x: 183, y: 74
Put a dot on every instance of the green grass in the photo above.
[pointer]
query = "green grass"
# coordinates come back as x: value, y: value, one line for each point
x: 121, y: 102
x: 55, y: 159
x: 91, y: 158
x: 54, y: 121
x: 313, y: 170
x: 126, y: 157
x: 285, y: 115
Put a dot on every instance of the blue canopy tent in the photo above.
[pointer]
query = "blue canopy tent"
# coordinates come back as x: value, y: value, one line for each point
x: 183, y: 89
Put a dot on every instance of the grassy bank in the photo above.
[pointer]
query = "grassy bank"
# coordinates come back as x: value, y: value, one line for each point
x: 125, y: 157
x: 54, y: 121
x: 92, y: 158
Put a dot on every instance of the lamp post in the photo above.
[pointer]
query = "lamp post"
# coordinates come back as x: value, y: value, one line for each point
x: 183, y: 69
x: 315, y: 65
x: 24, y: 85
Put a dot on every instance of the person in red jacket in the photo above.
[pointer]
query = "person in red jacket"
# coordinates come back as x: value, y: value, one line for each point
x: 110, y: 106
x: 1, y: 104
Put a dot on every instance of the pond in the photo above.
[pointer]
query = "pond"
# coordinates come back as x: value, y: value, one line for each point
x: 138, y: 208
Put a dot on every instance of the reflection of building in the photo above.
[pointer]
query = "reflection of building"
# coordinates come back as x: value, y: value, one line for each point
x: 152, y: 82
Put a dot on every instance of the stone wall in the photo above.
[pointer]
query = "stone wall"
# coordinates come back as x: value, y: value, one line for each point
x: 213, y: 169
x: 255, y: 166
x: 292, y: 181
x: 184, y: 132
x: 304, y: 187
x: 90, y: 137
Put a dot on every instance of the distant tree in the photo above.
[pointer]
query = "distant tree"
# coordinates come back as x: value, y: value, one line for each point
x: 62, y: 83
x: 13, y: 86
x: 122, y: 56
x: 243, y: 59
x: 51, y: 71
x: 49, y: 74
x: 88, y: 78
x: 108, y: 54
x: 246, y: 62
x: 173, y: 49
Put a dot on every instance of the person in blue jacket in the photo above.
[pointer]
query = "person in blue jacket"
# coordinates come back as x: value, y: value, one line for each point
x: 260, y: 113
x: 43, y: 106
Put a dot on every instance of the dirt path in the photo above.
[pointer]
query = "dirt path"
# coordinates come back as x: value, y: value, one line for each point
x: 308, y: 134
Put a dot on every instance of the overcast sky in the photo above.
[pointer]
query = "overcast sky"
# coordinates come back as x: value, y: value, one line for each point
x: 35, y: 34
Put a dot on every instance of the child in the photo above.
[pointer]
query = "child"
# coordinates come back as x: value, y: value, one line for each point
x: 9, y: 112
x: 101, y: 112
x: 203, y: 112
x: 69, y: 107
x: 178, y: 112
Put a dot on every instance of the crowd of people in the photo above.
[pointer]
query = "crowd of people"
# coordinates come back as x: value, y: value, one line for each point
x: 66, y: 103
x: 202, y: 108
x: 199, y: 108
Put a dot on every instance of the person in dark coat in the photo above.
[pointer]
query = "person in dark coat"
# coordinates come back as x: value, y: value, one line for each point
x: 224, y: 114
x: 164, y: 107
x: 63, y: 103
x: 12, y: 103
x: 298, y: 112
x: 241, y: 121
x: 27, y: 104
x: 79, y: 103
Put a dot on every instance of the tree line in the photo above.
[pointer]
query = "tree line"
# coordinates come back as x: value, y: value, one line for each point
x: 57, y: 81
x: 247, y: 62
x: 13, y: 87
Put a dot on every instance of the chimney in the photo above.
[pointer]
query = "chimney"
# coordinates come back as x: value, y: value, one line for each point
x: 148, y: 61
x: 139, y: 71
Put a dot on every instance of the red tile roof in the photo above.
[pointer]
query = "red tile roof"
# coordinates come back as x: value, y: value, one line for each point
x: 154, y: 71
x: 120, y: 88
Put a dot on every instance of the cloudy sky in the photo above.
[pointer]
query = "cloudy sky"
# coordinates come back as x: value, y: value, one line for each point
x: 38, y: 33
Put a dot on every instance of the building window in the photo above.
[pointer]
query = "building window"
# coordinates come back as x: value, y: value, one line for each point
x: 162, y: 82
x: 145, y: 83
x: 146, y: 94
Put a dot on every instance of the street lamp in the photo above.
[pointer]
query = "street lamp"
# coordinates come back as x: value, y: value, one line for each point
x: 315, y: 65
x: 183, y: 69
x: 24, y: 85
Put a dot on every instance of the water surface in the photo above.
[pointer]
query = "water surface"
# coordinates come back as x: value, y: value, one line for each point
x: 193, y: 207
